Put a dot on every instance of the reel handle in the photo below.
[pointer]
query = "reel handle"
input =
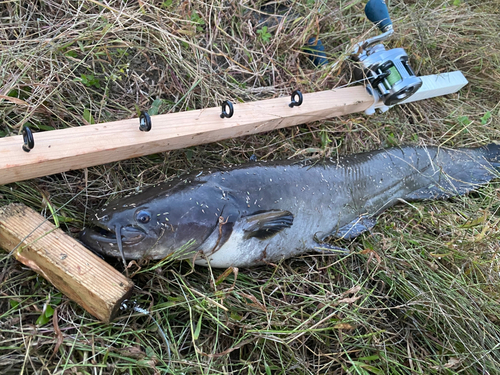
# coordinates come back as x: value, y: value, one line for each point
x: 376, y: 11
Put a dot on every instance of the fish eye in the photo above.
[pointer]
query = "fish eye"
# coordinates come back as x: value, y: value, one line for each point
x: 143, y: 217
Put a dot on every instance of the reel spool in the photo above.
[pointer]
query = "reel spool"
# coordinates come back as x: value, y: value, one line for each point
x: 388, y: 71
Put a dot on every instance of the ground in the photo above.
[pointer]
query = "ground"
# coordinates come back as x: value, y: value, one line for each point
x: 417, y: 295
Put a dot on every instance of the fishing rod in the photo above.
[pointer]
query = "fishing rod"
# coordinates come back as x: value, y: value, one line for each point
x: 387, y: 76
x: 388, y: 80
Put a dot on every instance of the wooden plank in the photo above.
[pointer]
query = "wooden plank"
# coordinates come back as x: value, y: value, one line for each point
x: 70, y: 267
x: 79, y: 147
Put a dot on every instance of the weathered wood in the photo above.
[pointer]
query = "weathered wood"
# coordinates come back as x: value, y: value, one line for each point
x: 79, y: 147
x: 70, y: 267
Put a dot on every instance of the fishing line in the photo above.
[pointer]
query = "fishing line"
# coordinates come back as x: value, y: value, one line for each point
x: 52, y: 215
x: 49, y: 217
x: 135, y: 307
x: 349, y: 84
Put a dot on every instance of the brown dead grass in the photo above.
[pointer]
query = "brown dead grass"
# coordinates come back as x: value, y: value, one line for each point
x: 419, y: 295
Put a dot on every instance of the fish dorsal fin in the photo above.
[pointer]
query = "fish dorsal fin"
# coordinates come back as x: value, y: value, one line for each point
x: 265, y: 224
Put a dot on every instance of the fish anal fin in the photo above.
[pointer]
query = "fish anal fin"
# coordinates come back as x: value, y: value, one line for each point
x: 327, y: 249
x: 355, y: 227
x: 443, y: 191
x: 430, y: 192
x: 266, y: 224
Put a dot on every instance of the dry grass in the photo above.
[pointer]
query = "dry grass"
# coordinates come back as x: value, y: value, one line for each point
x: 419, y: 295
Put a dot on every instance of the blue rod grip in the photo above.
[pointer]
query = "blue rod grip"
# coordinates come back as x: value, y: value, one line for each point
x: 377, y: 12
x: 316, y: 51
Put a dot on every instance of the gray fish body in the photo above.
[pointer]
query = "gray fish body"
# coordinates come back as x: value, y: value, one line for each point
x: 264, y: 212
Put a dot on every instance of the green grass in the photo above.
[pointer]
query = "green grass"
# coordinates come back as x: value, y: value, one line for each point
x: 418, y: 295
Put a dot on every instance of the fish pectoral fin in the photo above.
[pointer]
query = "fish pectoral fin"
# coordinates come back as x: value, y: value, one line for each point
x: 355, y: 227
x: 265, y: 224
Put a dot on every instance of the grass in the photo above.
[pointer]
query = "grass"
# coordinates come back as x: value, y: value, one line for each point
x: 418, y: 295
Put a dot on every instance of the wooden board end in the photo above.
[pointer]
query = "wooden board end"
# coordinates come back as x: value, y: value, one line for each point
x: 68, y: 265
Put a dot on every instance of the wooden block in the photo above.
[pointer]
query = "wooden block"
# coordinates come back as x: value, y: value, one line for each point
x: 68, y: 265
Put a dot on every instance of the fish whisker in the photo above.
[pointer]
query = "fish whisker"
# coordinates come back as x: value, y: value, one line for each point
x: 119, y: 243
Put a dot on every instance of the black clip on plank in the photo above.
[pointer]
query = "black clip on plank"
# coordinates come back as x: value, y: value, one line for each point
x: 295, y: 103
x: 225, y: 105
x: 29, y: 141
x: 144, y: 122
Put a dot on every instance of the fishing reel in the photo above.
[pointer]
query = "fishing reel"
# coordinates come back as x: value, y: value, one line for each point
x: 390, y: 76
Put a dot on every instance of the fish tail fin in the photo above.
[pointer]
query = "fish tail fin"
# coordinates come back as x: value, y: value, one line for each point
x: 457, y: 172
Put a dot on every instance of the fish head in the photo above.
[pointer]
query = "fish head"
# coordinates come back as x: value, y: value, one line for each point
x: 122, y: 233
x: 157, y: 223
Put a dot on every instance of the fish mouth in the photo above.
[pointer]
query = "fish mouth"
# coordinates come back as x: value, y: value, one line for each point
x: 129, y: 235
x: 118, y: 236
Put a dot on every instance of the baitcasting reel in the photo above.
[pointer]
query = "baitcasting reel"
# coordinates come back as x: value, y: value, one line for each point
x: 391, y: 78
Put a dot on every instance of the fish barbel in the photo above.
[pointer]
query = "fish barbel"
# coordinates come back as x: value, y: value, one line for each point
x: 263, y: 212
